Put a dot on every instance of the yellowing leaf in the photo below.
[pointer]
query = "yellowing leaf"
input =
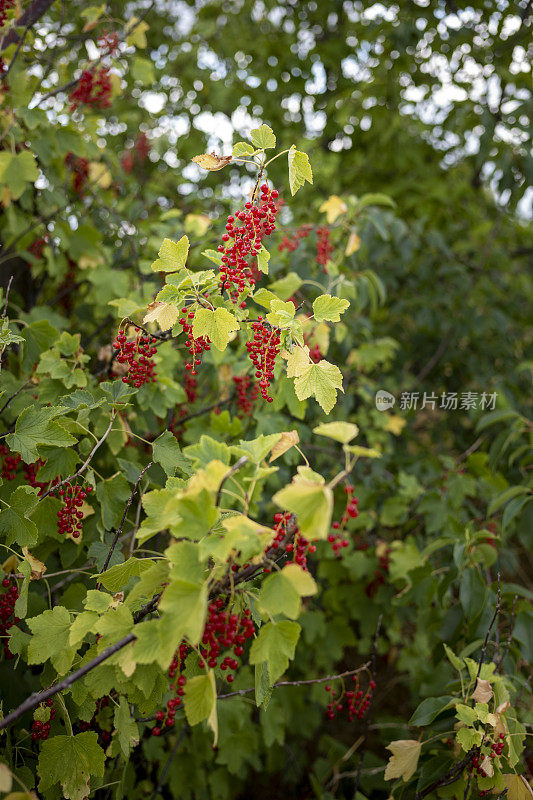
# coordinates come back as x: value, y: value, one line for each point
x: 354, y: 243
x: 281, y: 314
x: 366, y: 452
x: 404, y: 759
x: 263, y: 137
x: 288, y: 440
x: 165, y: 314
x: 37, y: 567
x: 297, y: 362
x: 201, y: 699
x: 342, y: 432
x: 299, y: 169
x: 518, y: 787
x: 10, y: 564
x: 218, y: 325
x: 487, y: 766
x: 6, y: 779
x: 322, y: 381
x: 137, y: 35
x: 172, y: 255
x: 302, y: 581
x: 313, y: 505
x: 483, y: 691
x: 333, y: 207
x: 100, y: 175
x: 395, y: 424
x: 328, y: 309
x: 211, y: 161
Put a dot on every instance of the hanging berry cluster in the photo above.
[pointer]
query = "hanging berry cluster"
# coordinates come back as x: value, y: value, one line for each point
x: 70, y: 516
x: 291, y: 242
x: 8, y: 598
x: 108, y: 43
x: 240, y: 242
x: 40, y: 727
x: 337, y: 538
x: 137, y: 354
x: 10, y: 462
x: 246, y: 395
x: 30, y: 473
x: 139, y: 154
x: 195, y: 346
x: 263, y: 350
x: 166, y: 718
x: 297, y: 545
x: 225, y: 631
x: 80, y: 171
x: 324, y: 248
x: 357, y: 701
x: 93, y: 89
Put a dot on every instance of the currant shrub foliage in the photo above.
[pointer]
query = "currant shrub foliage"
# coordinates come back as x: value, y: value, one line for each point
x: 224, y: 569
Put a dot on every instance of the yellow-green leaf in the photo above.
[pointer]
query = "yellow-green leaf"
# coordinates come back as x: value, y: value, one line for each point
x: 299, y: 169
x: 218, y: 325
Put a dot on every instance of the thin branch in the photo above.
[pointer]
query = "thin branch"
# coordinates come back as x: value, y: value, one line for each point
x: 12, y: 397
x: 449, y: 777
x: 170, y: 759
x: 366, y: 727
x: 326, y: 679
x: 7, y: 297
x: 34, y: 12
x: 85, y: 464
x: 489, y: 630
x: 15, y: 54
x: 205, y: 410
x: 119, y: 529
x: 499, y: 663
x: 235, y: 468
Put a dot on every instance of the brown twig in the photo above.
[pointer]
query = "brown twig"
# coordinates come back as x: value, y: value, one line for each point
x: 235, y: 468
x: 12, y: 397
x: 499, y: 663
x: 489, y: 630
x: 346, y: 674
x: 119, y: 529
x: 85, y: 464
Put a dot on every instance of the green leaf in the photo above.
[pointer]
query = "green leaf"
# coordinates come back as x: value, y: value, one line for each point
x: 342, y: 432
x: 263, y: 690
x: 241, y: 149
x: 126, y: 729
x: 263, y: 137
x: 172, y: 255
x: 281, y: 592
x: 218, y: 325
x: 263, y: 257
x: 35, y: 427
x: 257, y: 449
x: 281, y: 314
x: 185, y: 604
x: 429, y: 709
x: 469, y: 738
x: 16, y: 170
x: 321, y: 381
x: 112, y: 494
x: 329, y: 309
x: 299, y: 169
x: 283, y: 288
x: 465, y: 714
x: 115, y: 578
x: 167, y: 452
x: 454, y: 660
x: 70, y: 761
x: 504, y: 497
x: 50, y: 639
x: 275, y: 645
x: 313, y: 505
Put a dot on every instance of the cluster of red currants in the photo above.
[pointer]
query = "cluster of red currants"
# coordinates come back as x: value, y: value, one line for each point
x: 262, y: 351
x: 380, y: 575
x: 239, y: 243
x: 315, y: 354
x: 357, y: 701
x: 324, y: 248
x: 337, y: 539
x: 137, y: 353
x: 290, y: 243
x: 69, y: 516
x: 40, y: 728
x: 299, y: 546
x: 191, y: 386
x: 195, y: 346
x: 80, y: 171
x: 5, y: 5
x: 225, y: 631
x: 93, y: 89
x: 36, y: 248
x: 10, y: 462
x: 246, y: 394
x: 8, y: 598
x: 167, y: 718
